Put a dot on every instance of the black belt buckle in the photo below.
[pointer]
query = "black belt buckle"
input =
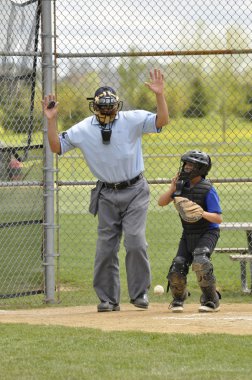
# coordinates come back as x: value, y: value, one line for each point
x: 123, y: 185
x: 116, y: 186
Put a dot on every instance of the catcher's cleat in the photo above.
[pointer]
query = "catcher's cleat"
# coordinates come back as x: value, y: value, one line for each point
x: 176, y: 306
x: 209, y: 307
x: 141, y: 301
x: 209, y: 299
x: 107, y: 306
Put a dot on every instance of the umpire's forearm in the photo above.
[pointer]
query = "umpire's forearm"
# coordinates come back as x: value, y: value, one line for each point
x: 53, y: 136
x: 162, y: 111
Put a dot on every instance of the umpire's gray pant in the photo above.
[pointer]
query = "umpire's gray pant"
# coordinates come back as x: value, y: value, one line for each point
x: 122, y: 211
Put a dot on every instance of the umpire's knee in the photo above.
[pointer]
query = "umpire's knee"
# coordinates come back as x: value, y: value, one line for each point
x: 132, y: 242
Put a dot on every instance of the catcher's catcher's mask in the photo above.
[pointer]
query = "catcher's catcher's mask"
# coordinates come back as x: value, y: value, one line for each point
x: 201, y: 166
x: 105, y: 104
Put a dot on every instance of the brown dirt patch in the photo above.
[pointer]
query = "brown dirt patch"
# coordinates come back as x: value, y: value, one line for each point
x: 233, y: 319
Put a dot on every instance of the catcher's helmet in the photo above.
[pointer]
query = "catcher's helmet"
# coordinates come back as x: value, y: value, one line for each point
x: 201, y: 160
x: 105, y: 104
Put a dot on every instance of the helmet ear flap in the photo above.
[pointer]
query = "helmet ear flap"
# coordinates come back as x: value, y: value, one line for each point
x: 205, y: 169
x: 210, y: 164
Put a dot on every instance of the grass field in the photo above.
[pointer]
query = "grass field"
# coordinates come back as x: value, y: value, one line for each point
x: 231, y: 155
x: 46, y: 352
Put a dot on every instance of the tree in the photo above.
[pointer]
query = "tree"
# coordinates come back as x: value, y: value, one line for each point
x: 73, y: 106
x: 198, y: 101
x: 132, y: 89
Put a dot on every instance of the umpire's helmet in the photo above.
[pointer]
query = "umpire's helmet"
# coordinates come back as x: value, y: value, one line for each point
x: 201, y: 160
x: 105, y: 104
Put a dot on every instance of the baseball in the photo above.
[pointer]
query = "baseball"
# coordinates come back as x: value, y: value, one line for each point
x: 159, y: 290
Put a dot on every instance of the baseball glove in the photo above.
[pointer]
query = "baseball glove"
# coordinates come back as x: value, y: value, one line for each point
x: 189, y: 211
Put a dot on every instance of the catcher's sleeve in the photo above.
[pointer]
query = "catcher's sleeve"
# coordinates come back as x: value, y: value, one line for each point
x: 189, y: 211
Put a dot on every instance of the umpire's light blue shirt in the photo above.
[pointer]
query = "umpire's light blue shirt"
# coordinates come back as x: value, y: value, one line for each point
x: 120, y: 160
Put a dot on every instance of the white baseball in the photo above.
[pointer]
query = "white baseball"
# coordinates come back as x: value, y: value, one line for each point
x: 159, y: 290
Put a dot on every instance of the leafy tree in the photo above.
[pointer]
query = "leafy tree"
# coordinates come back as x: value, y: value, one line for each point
x: 72, y: 107
x: 16, y: 108
x: 132, y: 89
x: 198, y: 101
x: 245, y: 109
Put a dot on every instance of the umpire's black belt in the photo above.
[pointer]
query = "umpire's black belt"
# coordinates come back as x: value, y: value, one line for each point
x: 124, y: 184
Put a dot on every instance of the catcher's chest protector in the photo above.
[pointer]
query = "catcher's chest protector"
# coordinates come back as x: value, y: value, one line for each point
x: 196, y: 194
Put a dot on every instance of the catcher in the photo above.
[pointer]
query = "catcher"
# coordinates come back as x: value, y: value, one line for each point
x: 199, y: 209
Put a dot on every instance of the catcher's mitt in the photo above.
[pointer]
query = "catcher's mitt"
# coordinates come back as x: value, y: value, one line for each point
x: 189, y: 211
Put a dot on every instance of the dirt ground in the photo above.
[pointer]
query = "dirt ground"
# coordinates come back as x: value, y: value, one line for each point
x: 233, y: 319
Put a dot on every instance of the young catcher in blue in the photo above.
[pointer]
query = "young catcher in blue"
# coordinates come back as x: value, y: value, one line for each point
x: 199, y: 208
x: 111, y: 143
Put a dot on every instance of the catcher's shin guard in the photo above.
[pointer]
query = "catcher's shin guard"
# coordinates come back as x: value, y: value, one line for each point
x: 177, y: 278
x: 203, y: 268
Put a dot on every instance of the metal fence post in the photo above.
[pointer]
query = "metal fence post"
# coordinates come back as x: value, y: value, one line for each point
x: 49, y: 227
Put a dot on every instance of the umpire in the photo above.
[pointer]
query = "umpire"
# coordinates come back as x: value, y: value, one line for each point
x: 110, y: 141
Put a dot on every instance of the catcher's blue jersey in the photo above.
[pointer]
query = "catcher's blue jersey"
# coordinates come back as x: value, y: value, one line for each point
x: 213, y: 204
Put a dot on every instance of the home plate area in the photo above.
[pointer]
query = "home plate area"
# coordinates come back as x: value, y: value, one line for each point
x: 235, y: 319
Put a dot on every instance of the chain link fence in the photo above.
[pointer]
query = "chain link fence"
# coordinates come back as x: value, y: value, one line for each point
x: 204, y: 50
x: 21, y: 153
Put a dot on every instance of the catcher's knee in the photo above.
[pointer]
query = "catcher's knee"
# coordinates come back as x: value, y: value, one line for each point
x: 177, y: 277
x: 203, y: 267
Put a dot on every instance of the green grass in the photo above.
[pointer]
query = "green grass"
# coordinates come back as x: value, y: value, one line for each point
x: 78, y: 240
x: 19, y: 139
x: 178, y: 137
x: 231, y: 153
x: 46, y: 352
x: 163, y: 233
x: 21, y: 245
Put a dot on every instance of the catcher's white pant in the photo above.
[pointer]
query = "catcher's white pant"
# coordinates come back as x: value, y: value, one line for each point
x: 122, y: 211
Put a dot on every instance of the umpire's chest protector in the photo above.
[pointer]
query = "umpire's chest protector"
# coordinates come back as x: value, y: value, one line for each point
x: 197, y: 194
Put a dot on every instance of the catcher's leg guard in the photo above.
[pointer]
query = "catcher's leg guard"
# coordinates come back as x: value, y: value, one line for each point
x: 177, y: 278
x: 203, y: 268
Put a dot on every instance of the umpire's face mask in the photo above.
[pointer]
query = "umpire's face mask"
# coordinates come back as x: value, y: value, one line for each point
x: 105, y: 104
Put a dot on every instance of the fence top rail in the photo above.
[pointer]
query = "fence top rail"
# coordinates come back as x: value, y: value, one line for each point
x: 156, y: 53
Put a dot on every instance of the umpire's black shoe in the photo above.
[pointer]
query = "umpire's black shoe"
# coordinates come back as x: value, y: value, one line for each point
x: 141, y: 301
x: 107, y: 306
